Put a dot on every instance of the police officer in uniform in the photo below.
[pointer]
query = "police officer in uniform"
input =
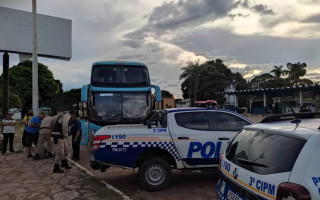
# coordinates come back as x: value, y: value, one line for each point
x: 44, y: 136
x: 60, y: 143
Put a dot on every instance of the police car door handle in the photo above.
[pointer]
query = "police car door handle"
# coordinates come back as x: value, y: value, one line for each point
x: 183, y: 138
x: 223, y: 138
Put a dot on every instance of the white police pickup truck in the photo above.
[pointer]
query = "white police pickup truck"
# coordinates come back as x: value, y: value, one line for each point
x: 191, y: 138
x: 279, y: 158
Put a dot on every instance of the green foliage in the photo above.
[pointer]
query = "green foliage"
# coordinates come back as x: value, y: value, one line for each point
x: 278, y: 72
x: 201, y: 81
x: 294, y: 73
x: 166, y: 94
x: 20, y: 80
x: 262, y: 81
x: 67, y: 100
x: 71, y: 97
x: 14, y: 99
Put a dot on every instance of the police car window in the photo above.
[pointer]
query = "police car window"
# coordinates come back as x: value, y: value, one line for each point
x: 193, y: 120
x: 227, y: 122
x: 264, y: 153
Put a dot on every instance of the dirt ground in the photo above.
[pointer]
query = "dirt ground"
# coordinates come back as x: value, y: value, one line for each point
x: 183, y: 186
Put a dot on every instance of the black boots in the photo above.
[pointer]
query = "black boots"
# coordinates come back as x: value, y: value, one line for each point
x: 64, y: 163
x: 49, y: 155
x: 57, y: 169
x: 36, y: 157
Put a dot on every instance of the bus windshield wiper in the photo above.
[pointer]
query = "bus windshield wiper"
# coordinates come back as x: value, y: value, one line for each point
x: 248, y: 162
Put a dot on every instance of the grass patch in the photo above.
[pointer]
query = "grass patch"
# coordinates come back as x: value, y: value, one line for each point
x: 103, y: 192
x: 140, y: 195
x: 96, y: 181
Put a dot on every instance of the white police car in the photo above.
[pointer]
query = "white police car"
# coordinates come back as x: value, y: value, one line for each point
x: 276, y: 159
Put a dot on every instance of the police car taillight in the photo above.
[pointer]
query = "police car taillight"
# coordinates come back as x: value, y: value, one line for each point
x: 97, y: 140
x: 292, y: 191
x: 220, y: 159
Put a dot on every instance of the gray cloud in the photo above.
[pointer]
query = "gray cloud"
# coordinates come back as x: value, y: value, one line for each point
x: 247, y: 69
x: 312, y: 19
x: 315, y: 77
x: 260, y: 52
x: 232, y: 16
x: 262, y: 9
x: 259, y: 8
x: 244, y: 4
x: 188, y: 13
x: 171, y: 16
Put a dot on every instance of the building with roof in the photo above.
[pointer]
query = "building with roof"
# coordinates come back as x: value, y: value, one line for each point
x: 279, y: 100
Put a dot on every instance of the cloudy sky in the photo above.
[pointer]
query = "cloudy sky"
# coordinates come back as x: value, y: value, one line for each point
x: 250, y: 36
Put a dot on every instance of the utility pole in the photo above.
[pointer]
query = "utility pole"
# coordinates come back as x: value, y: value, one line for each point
x: 35, y: 92
x: 5, y: 106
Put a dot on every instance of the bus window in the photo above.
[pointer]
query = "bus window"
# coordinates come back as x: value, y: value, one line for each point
x: 101, y: 75
x: 135, y: 75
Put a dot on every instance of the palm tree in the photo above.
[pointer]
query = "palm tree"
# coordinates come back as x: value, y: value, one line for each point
x: 295, y: 71
x: 191, y: 75
x: 278, y: 72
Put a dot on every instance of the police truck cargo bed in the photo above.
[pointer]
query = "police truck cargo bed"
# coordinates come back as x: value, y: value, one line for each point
x: 191, y: 138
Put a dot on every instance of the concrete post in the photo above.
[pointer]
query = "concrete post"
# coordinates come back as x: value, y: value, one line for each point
x: 35, y: 92
x: 236, y: 102
x: 301, y: 101
x: 5, y: 98
x: 264, y: 102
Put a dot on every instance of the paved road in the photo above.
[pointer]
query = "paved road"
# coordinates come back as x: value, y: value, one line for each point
x: 25, y: 178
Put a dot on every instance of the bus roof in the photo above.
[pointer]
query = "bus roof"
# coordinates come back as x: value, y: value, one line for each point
x: 128, y: 63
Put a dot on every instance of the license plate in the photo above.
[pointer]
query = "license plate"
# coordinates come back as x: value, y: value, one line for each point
x: 233, y: 196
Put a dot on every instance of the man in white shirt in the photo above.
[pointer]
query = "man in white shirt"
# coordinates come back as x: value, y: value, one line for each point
x: 8, y: 132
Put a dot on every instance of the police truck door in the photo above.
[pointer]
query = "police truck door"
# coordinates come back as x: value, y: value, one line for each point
x: 194, y: 138
x: 226, y: 126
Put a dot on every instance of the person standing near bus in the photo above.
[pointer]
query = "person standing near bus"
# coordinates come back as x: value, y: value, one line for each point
x: 33, y: 132
x: 8, y: 132
x: 26, y: 120
x: 75, y: 131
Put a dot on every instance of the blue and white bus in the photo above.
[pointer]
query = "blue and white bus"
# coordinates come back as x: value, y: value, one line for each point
x: 119, y: 93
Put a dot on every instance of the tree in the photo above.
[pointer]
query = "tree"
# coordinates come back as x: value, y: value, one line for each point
x: 295, y: 71
x: 201, y: 81
x: 262, y: 81
x: 14, y: 100
x: 71, y: 98
x: 20, y: 78
x: 277, y: 71
x: 166, y: 94
x: 191, y: 75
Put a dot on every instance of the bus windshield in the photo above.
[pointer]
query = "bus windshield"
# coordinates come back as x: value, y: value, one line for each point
x: 119, y: 76
x: 120, y: 107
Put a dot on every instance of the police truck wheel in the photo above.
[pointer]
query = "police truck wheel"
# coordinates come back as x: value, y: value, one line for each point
x: 155, y: 174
